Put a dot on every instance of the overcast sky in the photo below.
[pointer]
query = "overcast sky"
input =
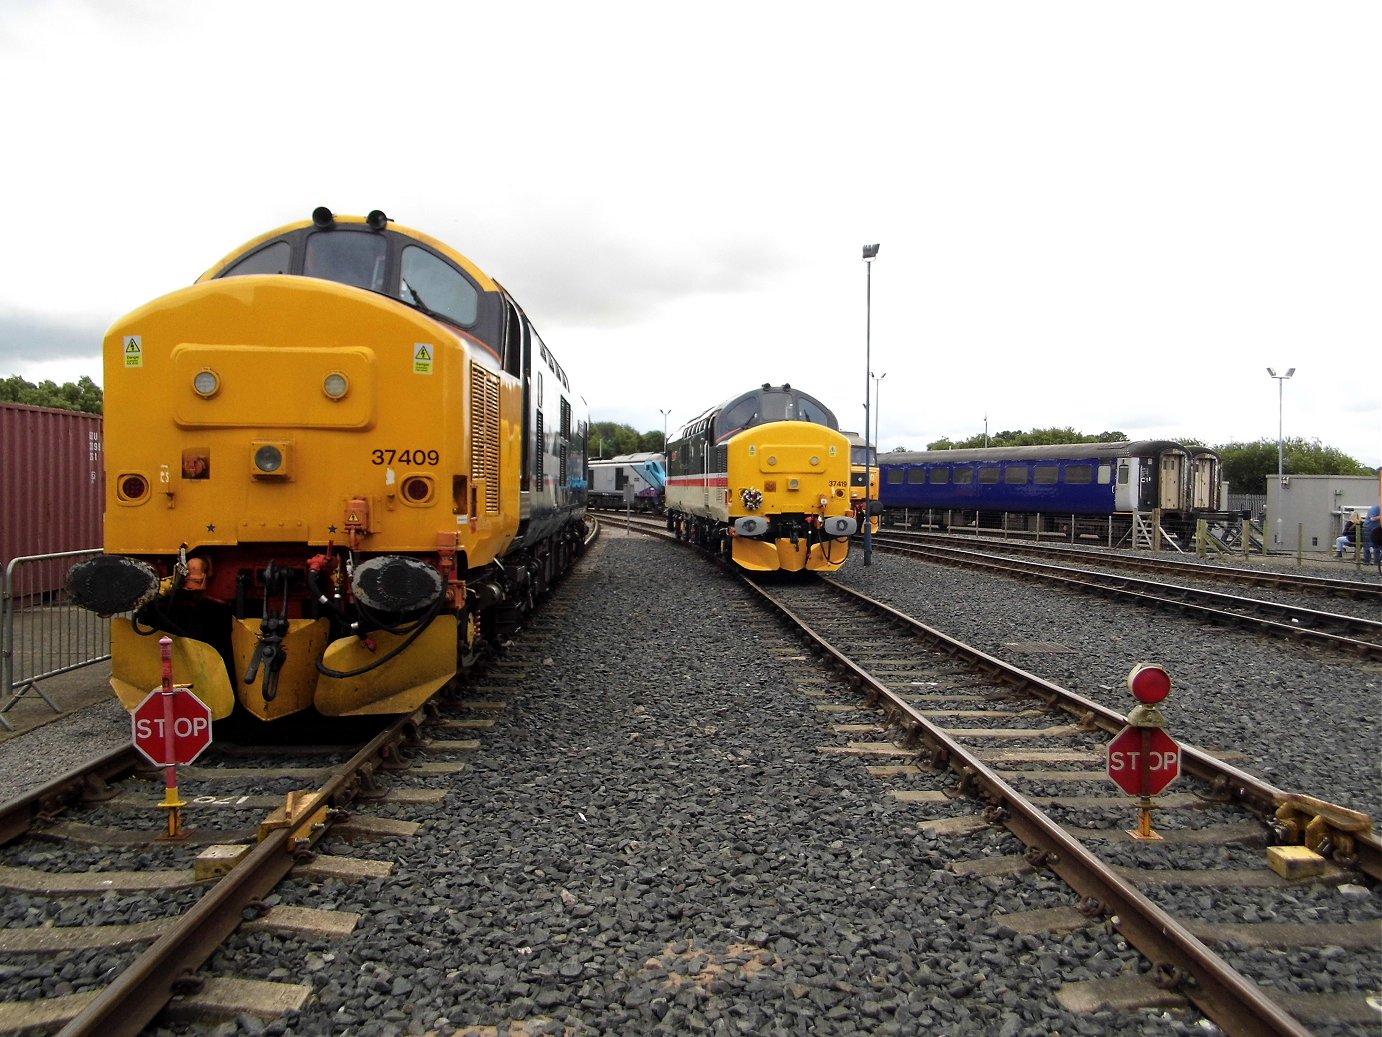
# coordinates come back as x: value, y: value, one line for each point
x: 1101, y: 215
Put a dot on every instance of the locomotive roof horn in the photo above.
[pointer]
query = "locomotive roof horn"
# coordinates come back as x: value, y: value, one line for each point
x: 377, y: 220
x: 322, y: 216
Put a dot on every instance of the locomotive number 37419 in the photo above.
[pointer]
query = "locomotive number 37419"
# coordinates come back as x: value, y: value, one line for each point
x: 430, y: 457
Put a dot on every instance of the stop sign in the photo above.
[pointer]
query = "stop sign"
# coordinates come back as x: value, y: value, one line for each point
x: 171, y: 727
x: 1142, y: 761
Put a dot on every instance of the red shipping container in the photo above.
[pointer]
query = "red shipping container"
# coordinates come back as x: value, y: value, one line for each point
x: 52, y: 481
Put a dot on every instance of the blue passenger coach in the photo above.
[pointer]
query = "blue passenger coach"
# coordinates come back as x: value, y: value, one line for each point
x: 1069, y: 479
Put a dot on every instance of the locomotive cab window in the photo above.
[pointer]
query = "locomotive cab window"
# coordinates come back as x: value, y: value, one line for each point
x: 271, y: 259
x: 347, y: 257
x: 435, y: 286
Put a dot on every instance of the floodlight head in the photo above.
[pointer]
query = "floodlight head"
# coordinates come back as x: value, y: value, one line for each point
x: 870, y: 252
x: 1289, y: 371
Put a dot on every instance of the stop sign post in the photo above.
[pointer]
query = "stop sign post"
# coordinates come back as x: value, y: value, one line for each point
x: 1143, y: 759
x: 170, y: 727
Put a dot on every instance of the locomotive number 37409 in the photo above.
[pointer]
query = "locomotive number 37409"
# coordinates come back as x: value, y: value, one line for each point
x: 405, y: 457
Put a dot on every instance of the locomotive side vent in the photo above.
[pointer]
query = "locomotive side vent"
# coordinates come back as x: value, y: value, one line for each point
x: 484, y: 433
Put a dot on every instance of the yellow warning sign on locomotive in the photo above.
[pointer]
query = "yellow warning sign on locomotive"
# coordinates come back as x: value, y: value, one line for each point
x: 422, y: 358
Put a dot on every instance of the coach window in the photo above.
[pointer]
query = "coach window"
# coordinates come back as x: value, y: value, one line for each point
x: 963, y: 476
x: 346, y: 257
x: 271, y: 259
x: 435, y: 286
x: 938, y: 476
x: 1045, y: 474
x: 1015, y: 474
x: 988, y: 475
x: 1105, y: 474
x: 1081, y: 474
x: 916, y: 474
x: 894, y: 477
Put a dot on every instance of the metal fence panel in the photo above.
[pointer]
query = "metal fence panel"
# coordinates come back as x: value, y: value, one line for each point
x: 41, y: 633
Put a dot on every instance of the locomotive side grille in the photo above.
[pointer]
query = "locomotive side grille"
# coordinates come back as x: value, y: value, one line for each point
x: 484, y: 433
x: 541, y: 451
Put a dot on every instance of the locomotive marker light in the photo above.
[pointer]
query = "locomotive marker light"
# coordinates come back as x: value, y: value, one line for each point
x: 1142, y: 758
x: 171, y: 727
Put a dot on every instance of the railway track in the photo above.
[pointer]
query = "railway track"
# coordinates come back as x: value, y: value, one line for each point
x: 256, y: 816
x: 1352, y: 635
x: 953, y: 725
x: 1304, y: 583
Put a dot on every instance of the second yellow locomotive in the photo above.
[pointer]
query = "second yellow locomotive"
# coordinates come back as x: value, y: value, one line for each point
x: 764, y: 478
x: 333, y: 466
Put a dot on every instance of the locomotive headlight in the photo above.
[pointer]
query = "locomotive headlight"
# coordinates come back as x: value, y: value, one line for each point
x: 269, y: 459
x: 335, y: 385
x: 206, y: 383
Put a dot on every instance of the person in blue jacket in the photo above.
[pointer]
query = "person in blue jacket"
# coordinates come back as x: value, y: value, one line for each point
x: 1372, y: 535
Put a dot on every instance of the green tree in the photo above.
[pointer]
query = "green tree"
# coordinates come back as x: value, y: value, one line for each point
x: 1248, y: 466
x: 608, y: 439
x: 83, y: 395
x: 1036, y: 437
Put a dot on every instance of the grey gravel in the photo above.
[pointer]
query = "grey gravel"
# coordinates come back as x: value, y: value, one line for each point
x: 1307, y: 720
x: 649, y: 841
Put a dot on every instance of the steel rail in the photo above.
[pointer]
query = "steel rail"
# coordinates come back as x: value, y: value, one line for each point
x: 1224, y: 995
x: 1301, y: 582
x: 166, y: 967
x: 1225, y: 779
x: 1289, y: 622
x: 18, y: 814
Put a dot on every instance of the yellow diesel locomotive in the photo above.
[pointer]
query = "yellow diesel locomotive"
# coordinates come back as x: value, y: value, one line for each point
x: 335, y: 465
x: 764, y: 478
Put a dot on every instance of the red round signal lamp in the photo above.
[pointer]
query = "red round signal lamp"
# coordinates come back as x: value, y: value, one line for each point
x: 1149, y: 683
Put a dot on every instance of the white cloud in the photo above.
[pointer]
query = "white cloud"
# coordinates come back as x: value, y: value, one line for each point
x: 1094, y: 215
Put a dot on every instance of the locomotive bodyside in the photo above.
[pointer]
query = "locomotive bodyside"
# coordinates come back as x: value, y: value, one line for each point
x: 637, y: 481
x: 325, y: 489
x: 765, y: 479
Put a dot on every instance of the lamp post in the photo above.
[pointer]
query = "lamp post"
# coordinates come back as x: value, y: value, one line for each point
x: 1280, y: 455
x: 878, y: 411
x: 664, y: 428
x: 870, y: 254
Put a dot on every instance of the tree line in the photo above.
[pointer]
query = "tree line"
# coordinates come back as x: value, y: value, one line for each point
x: 83, y: 395
x: 1246, y: 466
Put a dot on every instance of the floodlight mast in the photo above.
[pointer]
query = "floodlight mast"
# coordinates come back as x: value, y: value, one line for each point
x: 870, y: 254
x: 1280, y: 453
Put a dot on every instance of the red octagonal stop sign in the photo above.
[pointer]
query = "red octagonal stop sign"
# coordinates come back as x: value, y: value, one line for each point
x: 1142, y: 761
x: 177, y: 713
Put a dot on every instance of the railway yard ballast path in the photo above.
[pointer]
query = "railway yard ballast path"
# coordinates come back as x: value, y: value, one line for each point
x: 650, y: 840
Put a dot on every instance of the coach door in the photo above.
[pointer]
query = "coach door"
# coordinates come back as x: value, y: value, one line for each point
x: 1172, y: 484
x: 1125, y: 492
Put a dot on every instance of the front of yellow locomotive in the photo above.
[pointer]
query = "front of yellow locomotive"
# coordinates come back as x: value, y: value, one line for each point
x: 305, y: 452
x: 788, y: 472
